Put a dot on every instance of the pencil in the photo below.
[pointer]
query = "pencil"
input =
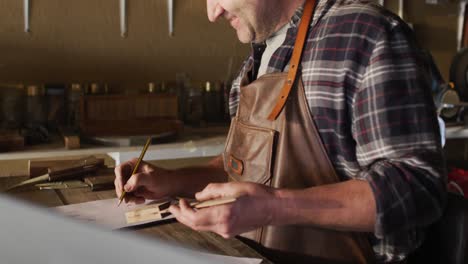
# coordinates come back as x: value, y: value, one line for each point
x: 148, y: 142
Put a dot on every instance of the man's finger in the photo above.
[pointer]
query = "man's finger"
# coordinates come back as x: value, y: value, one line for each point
x: 135, y: 201
x: 135, y: 181
x: 132, y: 199
x: 176, y: 211
x: 143, y: 192
x: 185, y: 207
x: 132, y: 162
x: 122, y: 173
x: 186, y: 215
x: 118, y: 171
x: 129, y: 197
x: 200, y: 220
x: 118, y: 187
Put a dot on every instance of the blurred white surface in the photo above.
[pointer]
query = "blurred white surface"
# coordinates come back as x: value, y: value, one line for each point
x: 30, y: 234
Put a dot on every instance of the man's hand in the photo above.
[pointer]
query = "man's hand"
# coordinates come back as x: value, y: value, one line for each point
x: 149, y: 182
x: 254, y: 208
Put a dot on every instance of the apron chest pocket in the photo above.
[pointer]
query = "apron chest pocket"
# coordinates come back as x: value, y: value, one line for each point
x: 248, y: 154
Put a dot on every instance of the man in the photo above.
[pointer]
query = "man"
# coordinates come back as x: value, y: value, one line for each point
x: 343, y: 155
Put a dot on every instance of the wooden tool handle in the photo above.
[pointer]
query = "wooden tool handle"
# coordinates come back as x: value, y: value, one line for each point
x: 87, y: 165
x: 209, y: 203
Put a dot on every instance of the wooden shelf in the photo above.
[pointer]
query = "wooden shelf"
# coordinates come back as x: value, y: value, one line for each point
x: 207, y: 140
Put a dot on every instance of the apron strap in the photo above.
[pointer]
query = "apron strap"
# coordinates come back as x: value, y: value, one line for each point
x: 309, y: 10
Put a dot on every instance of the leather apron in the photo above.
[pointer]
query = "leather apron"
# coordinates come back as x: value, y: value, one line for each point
x: 282, y: 148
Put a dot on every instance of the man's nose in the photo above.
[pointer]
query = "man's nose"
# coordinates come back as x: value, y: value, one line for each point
x: 214, y: 10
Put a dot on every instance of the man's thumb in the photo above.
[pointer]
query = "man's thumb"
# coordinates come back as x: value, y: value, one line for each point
x: 212, y: 191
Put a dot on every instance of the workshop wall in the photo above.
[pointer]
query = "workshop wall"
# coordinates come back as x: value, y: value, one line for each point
x: 436, y: 29
x: 80, y: 41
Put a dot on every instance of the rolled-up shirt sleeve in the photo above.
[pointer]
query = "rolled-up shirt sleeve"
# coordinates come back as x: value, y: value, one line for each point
x: 397, y: 138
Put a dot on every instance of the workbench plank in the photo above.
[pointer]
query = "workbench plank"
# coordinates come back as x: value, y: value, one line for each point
x: 205, y: 241
x: 47, y: 198
x: 14, y: 168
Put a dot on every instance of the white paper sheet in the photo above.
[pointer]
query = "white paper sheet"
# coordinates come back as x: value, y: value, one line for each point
x: 103, y: 212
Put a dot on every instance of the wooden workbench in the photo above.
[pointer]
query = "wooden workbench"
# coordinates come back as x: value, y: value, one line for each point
x: 172, y: 231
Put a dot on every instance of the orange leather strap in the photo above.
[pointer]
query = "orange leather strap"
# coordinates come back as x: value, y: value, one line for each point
x: 309, y: 9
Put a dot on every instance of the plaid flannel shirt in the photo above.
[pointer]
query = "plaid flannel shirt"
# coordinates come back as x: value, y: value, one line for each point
x: 368, y: 87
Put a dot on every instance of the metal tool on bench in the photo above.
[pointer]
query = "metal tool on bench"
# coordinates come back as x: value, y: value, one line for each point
x: 63, y: 173
x: 62, y: 185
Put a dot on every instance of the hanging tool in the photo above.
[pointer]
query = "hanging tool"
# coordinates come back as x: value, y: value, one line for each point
x: 170, y: 15
x: 62, y: 173
x: 401, y: 8
x: 123, y: 18
x: 462, y: 28
x: 26, y: 7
